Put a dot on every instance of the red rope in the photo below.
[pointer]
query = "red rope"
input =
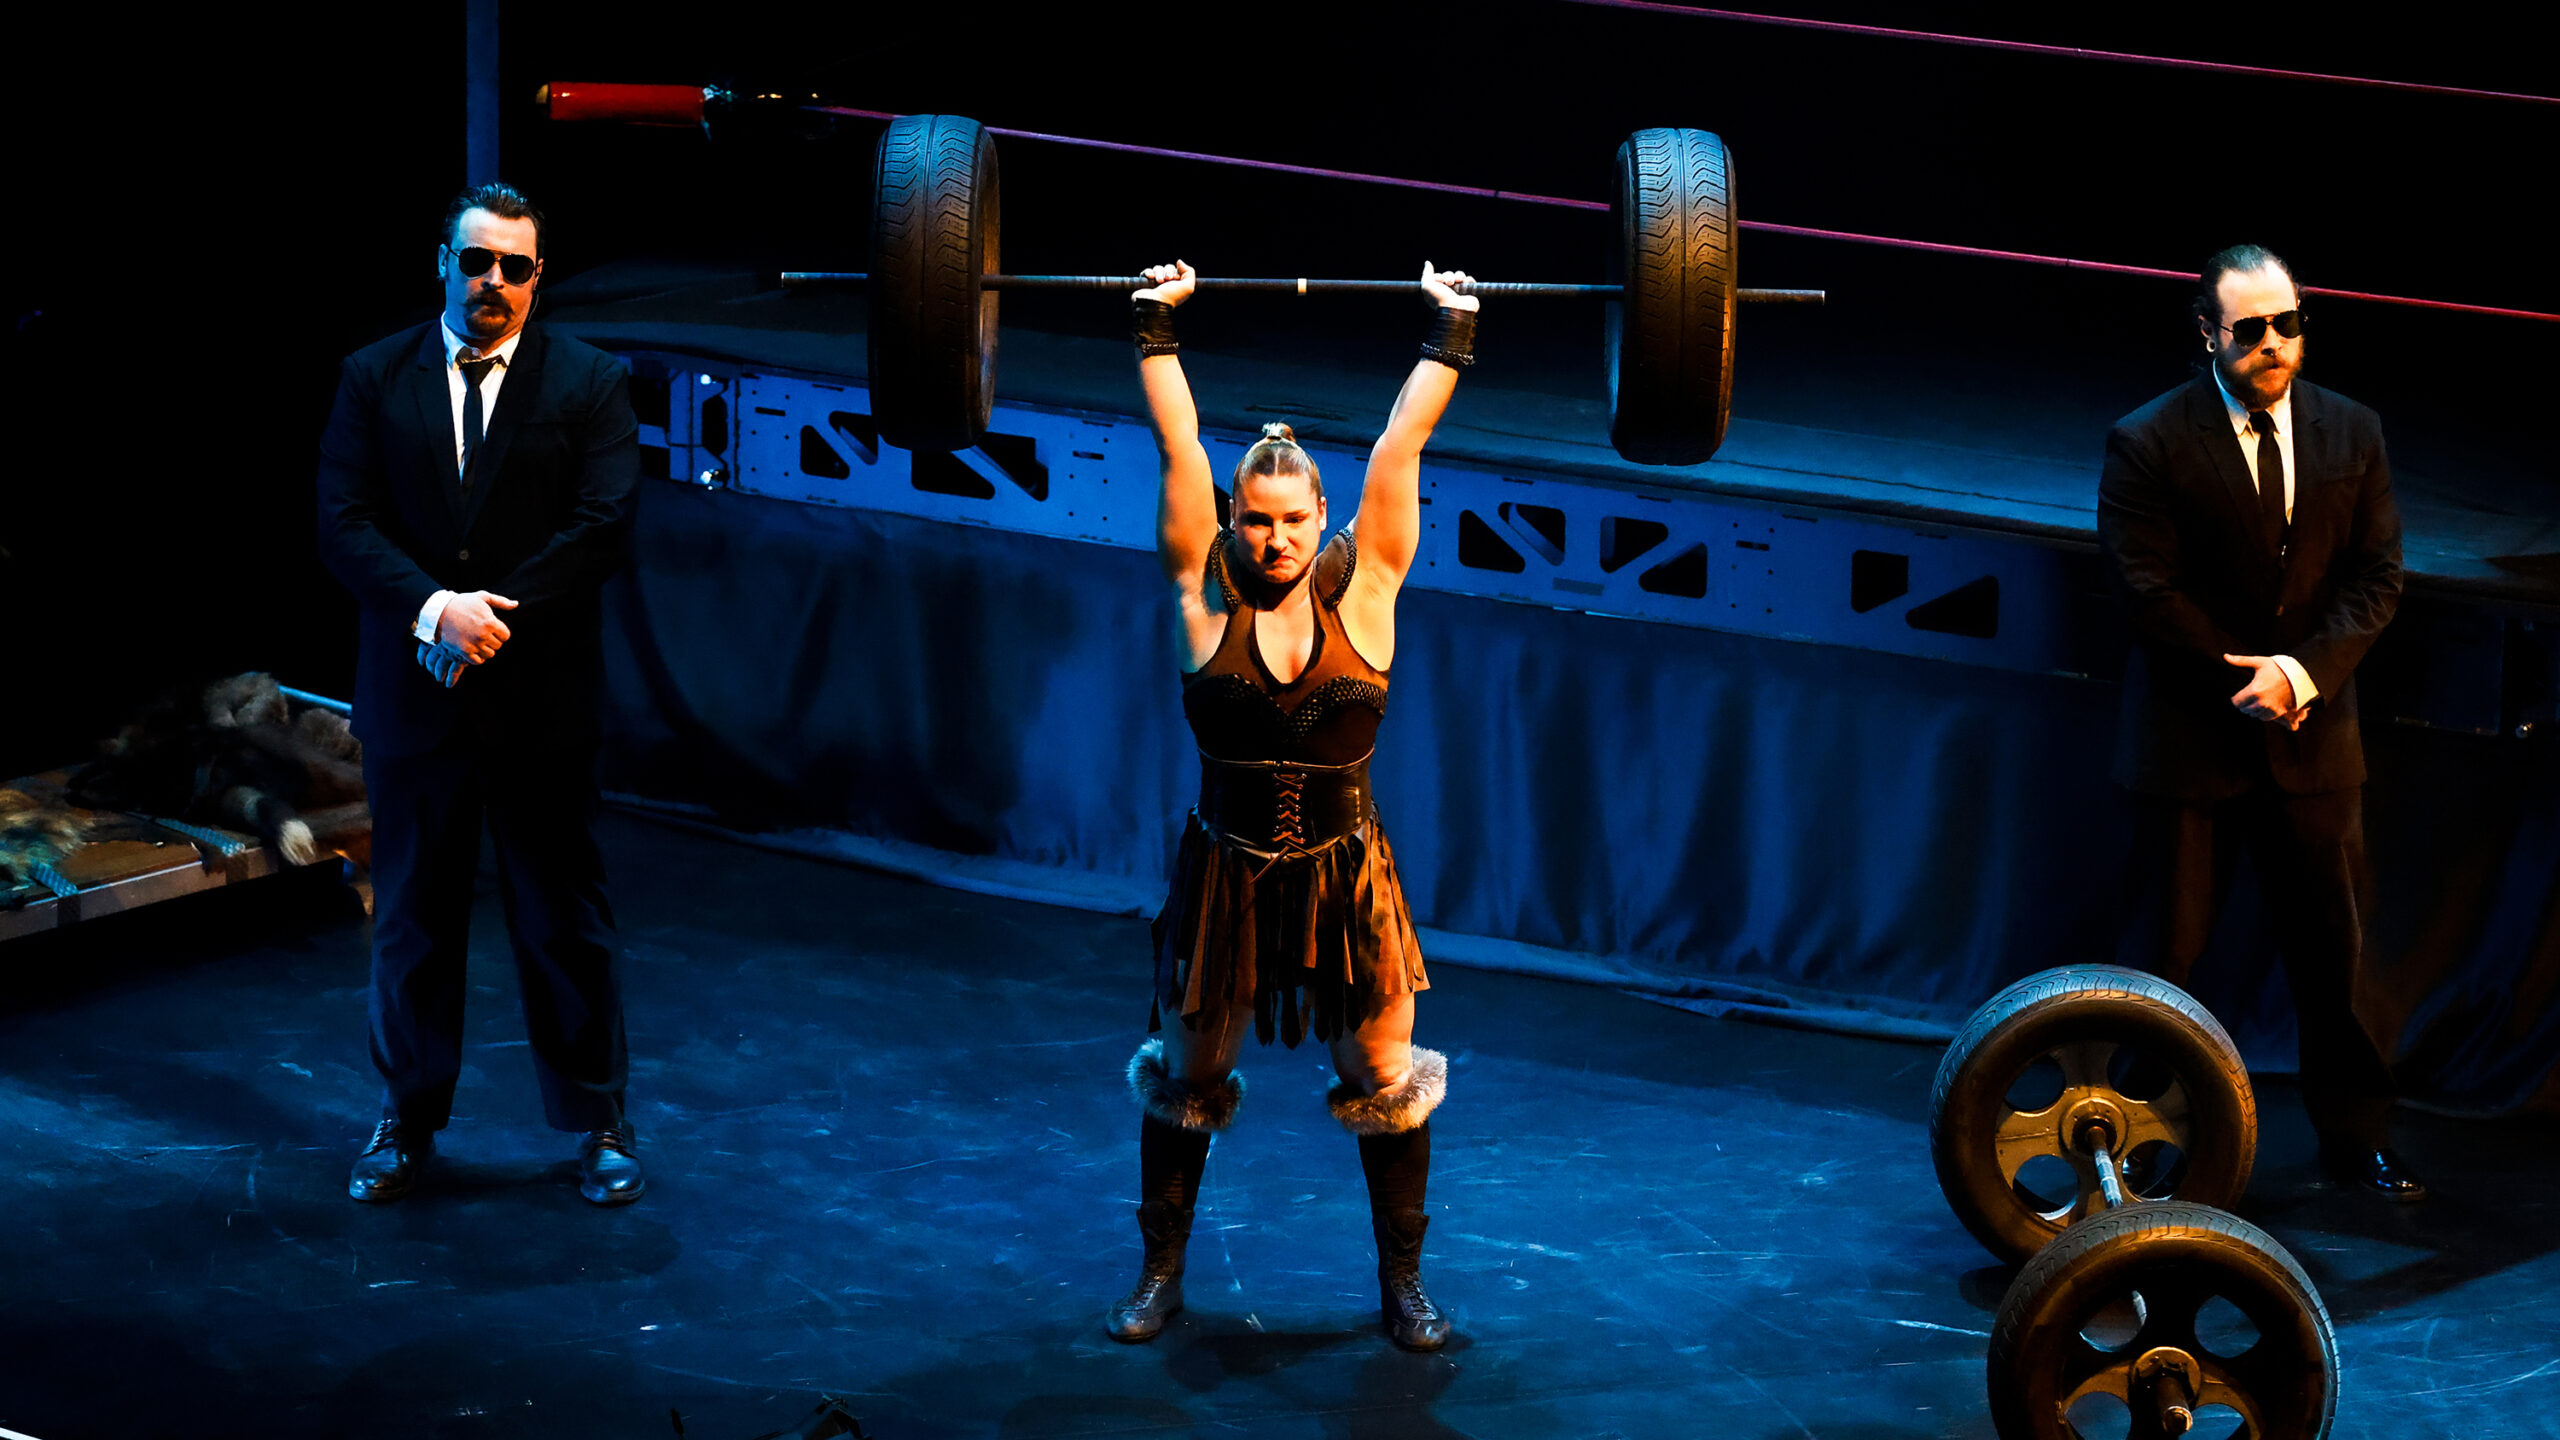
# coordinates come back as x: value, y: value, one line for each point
x: 1765, y: 226
x: 1315, y: 170
x: 2106, y: 267
x: 2069, y: 51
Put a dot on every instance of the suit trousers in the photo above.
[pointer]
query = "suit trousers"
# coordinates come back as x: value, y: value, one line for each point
x: 2307, y: 851
x: 540, y: 811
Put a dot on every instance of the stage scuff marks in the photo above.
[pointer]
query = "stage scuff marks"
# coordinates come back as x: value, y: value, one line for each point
x: 891, y: 1158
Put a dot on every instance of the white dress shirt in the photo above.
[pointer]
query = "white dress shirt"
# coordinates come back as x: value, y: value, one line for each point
x: 2281, y: 412
x: 457, y: 350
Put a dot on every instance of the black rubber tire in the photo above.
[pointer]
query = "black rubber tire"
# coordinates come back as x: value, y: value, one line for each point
x: 2066, y: 1006
x: 1670, y: 339
x: 2176, y: 1254
x: 934, y: 232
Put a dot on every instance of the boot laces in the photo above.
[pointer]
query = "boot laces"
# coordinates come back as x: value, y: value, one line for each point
x: 1144, y: 1294
x: 1409, y: 1297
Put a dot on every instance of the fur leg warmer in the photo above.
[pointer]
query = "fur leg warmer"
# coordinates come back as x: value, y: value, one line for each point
x: 1177, y: 1104
x: 1399, y: 1107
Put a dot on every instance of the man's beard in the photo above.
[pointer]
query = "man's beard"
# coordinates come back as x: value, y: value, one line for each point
x: 487, y: 319
x: 2261, y: 387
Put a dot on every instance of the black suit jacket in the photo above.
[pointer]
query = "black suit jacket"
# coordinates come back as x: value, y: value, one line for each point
x: 2178, y: 520
x: 546, y: 522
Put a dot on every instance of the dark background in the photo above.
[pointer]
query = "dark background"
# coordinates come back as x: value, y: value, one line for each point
x: 207, y: 217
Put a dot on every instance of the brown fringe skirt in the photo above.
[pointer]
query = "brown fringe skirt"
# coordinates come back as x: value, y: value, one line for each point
x: 1320, y: 941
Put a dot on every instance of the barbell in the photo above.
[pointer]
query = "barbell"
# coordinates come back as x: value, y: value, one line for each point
x: 936, y: 273
x: 2136, y: 1289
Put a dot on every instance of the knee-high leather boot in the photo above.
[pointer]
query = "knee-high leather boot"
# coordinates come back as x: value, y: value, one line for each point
x: 1394, y: 1128
x: 1173, y: 1150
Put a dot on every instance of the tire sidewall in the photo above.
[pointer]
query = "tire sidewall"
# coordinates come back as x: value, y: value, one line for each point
x: 1971, y: 1098
x: 2110, y: 1254
x: 932, y: 334
x: 1668, y: 342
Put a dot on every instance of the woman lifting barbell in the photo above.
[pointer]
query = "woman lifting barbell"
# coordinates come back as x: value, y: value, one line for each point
x: 1285, y: 905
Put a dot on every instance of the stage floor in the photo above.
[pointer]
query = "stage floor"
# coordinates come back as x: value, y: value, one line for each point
x: 891, y: 1157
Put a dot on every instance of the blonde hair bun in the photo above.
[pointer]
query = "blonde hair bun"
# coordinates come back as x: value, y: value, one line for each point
x: 1282, y: 433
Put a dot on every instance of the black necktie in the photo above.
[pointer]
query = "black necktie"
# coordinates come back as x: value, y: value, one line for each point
x: 2270, y: 479
x: 473, y: 372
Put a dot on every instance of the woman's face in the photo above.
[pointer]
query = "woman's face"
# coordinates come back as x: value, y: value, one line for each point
x: 1279, y: 522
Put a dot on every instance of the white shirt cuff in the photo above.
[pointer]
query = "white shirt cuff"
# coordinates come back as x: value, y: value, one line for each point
x: 431, y: 614
x: 2304, y: 692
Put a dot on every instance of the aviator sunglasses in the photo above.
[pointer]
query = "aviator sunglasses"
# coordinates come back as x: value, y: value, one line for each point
x: 518, y: 269
x: 2245, y: 332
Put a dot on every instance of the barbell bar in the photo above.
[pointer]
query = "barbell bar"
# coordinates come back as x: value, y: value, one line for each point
x: 1301, y: 285
x: 937, y: 273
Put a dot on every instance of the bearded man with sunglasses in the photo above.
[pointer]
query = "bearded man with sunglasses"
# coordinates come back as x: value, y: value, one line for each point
x: 475, y: 492
x: 2248, y: 517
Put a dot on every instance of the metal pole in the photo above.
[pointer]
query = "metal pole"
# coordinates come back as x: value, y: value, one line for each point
x: 479, y: 91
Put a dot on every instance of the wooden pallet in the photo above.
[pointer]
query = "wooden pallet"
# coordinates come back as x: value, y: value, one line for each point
x: 137, y: 860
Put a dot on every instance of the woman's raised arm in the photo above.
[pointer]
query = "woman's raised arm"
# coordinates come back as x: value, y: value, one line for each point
x: 1186, y: 498
x: 1390, y: 518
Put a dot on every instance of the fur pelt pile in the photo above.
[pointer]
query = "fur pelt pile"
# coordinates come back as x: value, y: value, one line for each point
x: 34, y: 832
x: 231, y: 754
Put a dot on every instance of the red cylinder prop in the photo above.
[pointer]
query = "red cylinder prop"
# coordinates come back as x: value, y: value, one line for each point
x: 624, y: 104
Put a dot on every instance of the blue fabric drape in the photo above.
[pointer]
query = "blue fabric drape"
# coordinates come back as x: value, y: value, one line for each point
x: 1830, y: 836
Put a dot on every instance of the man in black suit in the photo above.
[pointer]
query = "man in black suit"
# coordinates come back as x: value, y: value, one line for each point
x: 2248, y: 516
x: 475, y: 489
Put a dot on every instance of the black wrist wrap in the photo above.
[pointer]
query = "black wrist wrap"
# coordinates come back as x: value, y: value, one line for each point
x: 1151, y: 328
x: 1453, y: 339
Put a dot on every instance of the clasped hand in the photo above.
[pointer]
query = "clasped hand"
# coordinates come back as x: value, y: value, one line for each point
x: 2269, y: 693
x: 469, y: 632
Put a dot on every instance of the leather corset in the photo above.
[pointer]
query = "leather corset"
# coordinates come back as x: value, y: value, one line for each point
x: 1281, y: 808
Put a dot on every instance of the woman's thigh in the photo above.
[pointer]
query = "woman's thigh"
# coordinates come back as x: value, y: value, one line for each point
x: 1200, y: 1052
x: 1378, y: 1055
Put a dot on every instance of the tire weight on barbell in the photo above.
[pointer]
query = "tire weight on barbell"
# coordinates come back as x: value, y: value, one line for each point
x: 935, y: 228
x: 2099, y: 1016
x: 1669, y: 345
x: 2161, y: 1263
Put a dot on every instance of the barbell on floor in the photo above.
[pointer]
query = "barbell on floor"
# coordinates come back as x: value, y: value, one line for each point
x: 2114, y: 1070
x: 936, y: 274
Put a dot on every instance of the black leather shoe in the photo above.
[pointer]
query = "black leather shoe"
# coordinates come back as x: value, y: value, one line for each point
x: 2378, y: 1171
x: 608, y: 1170
x: 389, y: 1166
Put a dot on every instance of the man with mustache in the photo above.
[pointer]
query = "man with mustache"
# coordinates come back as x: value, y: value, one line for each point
x: 2248, y: 516
x: 475, y: 493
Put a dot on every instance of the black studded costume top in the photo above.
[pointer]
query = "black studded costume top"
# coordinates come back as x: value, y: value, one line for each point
x: 1327, y: 716
x: 1284, y: 892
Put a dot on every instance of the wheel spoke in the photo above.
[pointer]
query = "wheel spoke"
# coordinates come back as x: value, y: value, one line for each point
x: 2026, y: 1134
x: 2246, y: 1384
x: 2171, y: 1304
x: 2084, y: 1065
x: 2166, y: 1117
x: 2089, y: 1199
x: 2086, y: 1370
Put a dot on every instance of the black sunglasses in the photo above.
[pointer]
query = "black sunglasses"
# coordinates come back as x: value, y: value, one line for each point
x: 518, y: 269
x: 2245, y: 332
